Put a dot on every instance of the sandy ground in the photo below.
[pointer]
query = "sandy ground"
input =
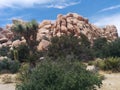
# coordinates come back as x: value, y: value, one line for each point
x: 111, y: 82
x: 7, y: 86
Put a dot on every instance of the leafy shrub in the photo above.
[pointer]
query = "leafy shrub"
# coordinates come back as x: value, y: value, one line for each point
x: 99, y: 47
x: 50, y: 75
x: 23, y: 53
x: 14, y: 66
x: 23, y: 72
x: 4, y: 51
x: 7, y: 64
x: 113, y: 48
x: 69, y: 44
x: 4, y: 64
x: 112, y: 64
x: 103, y: 49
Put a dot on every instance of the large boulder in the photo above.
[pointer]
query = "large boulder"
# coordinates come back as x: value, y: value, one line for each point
x: 44, y: 22
x: 43, y: 45
x: 3, y: 40
x: 16, y: 43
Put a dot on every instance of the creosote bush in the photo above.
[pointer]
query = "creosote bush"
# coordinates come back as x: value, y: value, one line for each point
x: 22, y: 52
x: 112, y: 64
x: 108, y: 64
x: 10, y: 65
x: 104, y: 49
x: 99, y: 47
x: 4, y: 51
x: 51, y: 75
x: 69, y: 44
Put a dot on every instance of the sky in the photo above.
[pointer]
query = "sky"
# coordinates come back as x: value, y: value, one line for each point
x: 99, y: 12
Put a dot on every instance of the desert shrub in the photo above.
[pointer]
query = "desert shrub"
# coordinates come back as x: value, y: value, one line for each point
x: 104, y: 49
x: 22, y: 51
x: 112, y: 64
x: 23, y: 72
x: 69, y: 44
x: 8, y: 64
x: 51, y: 75
x: 113, y: 48
x: 14, y: 66
x: 4, y: 64
x: 4, y: 51
x: 99, y: 47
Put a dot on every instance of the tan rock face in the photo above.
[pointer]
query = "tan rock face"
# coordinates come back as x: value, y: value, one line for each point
x: 16, y: 43
x: 3, y: 40
x: 73, y: 23
x: 43, y: 45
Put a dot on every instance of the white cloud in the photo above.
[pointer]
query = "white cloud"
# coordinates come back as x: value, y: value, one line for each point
x: 108, y: 20
x: 110, y: 8
x: 30, y: 3
x: 62, y: 5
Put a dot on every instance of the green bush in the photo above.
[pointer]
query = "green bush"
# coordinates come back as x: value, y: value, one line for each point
x: 50, y: 75
x: 23, y: 72
x: 104, y: 49
x: 113, y: 48
x: 22, y: 51
x: 69, y: 44
x: 99, y: 47
x: 8, y: 64
x: 4, y: 51
x: 14, y: 66
x: 112, y: 64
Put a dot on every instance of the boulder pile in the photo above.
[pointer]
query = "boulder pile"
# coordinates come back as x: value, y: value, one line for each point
x: 72, y: 23
x: 5, y: 37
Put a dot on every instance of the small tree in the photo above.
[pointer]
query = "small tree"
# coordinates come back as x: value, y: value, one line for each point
x: 29, y: 31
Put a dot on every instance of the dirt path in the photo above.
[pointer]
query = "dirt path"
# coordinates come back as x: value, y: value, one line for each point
x: 111, y: 82
x: 7, y: 86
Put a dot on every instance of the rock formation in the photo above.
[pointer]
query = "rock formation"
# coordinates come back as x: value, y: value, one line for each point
x: 71, y: 23
x: 75, y: 24
x: 5, y: 37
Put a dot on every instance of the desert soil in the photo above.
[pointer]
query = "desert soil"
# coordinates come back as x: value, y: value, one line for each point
x: 111, y: 82
x: 9, y: 86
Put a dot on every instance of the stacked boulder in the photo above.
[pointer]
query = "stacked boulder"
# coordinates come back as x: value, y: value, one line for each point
x: 5, y: 37
x: 73, y: 23
x: 110, y: 32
